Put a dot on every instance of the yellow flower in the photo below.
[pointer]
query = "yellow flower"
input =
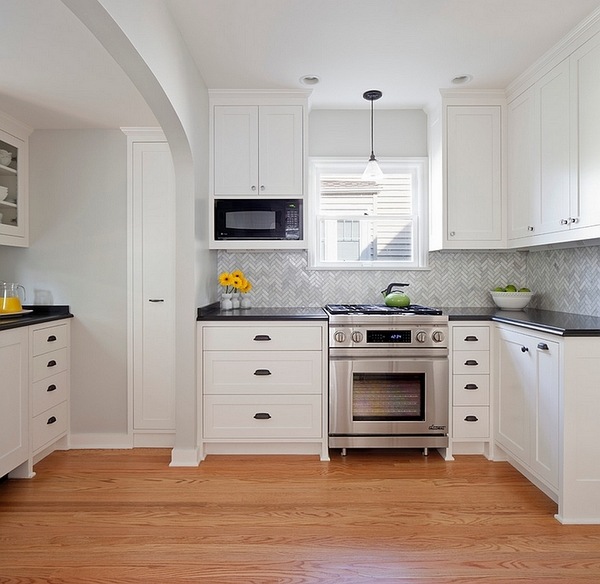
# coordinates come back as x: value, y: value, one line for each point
x: 236, y: 282
x: 225, y: 279
x: 237, y: 274
x: 246, y: 287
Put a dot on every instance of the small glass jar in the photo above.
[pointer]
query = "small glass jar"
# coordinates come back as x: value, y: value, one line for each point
x: 226, y: 303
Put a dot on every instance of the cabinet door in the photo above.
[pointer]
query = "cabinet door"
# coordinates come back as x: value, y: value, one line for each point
x: 14, y: 399
x: 474, y: 174
x: 280, y: 150
x: 545, y: 426
x: 153, y: 287
x: 516, y: 369
x: 236, y: 150
x: 585, y: 82
x: 523, y: 159
x: 14, y: 202
x: 552, y: 208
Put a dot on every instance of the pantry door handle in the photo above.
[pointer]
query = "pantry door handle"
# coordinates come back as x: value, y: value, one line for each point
x: 471, y: 338
x: 262, y: 416
x: 543, y: 347
x: 471, y: 386
x: 262, y: 372
x: 471, y: 419
x: 262, y: 338
x: 471, y: 363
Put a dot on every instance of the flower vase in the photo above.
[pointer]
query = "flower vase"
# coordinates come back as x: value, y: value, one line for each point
x: 235, y: 300
x: 245, y: 303
x: 226, y: 303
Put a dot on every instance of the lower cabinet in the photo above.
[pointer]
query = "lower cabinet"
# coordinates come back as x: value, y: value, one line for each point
x: 527, y: 426
x: 14, y: 399
x: 262, y: 387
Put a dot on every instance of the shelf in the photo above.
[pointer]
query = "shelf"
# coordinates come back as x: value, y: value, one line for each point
x: 7, y: 170
x: 8, y: 204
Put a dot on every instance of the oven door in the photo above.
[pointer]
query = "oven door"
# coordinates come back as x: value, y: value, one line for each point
x: 389, y: 396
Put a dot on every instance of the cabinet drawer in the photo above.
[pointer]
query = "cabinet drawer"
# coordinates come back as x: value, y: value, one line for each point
x: 262, y: 416
x: 470, y: 362
x: 471, y: 390
x: 49, y: 339
x: 471, y: 422
x: 262, y: 372
x: 50, y: 425
x: 470, y: 338
x: 261, y: 338
x: 49, y: 392
x: 50, y: 364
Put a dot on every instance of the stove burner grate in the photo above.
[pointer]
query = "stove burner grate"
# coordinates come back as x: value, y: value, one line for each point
x: 380, y: 309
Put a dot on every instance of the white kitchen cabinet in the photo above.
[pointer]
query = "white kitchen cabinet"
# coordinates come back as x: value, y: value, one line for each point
x: 528, y: 413
x: 14, y: 188
x: 468, y: 208
x: 50, y: 392
x: 262, y: 387
x: 258, y: 150
x: 470, y: 388
x: 14, y: 399
x: 151, y: 191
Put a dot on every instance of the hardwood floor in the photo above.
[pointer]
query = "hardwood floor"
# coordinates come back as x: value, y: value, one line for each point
x: 382, y: 517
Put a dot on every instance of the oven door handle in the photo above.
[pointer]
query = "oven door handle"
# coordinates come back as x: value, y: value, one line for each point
x: 352, y: 353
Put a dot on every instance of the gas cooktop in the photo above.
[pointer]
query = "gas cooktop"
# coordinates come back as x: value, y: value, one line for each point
x: 380, y: 309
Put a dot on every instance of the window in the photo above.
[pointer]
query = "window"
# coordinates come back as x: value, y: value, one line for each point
x: 362, y: 224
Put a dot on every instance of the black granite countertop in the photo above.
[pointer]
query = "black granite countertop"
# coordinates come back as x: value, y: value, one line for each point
x: 40, y: 314
x: 564, y: 324
x: 213, y: 312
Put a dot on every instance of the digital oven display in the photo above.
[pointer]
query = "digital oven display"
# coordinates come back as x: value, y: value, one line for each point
x: 388, y: 336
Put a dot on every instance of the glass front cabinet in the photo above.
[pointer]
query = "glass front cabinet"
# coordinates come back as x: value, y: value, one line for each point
x: 14, y: 204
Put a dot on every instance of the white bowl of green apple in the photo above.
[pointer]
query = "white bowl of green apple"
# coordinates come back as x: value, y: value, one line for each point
x: 510, y: 297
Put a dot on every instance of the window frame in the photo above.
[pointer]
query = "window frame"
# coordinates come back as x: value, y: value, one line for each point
x: 418, y: 166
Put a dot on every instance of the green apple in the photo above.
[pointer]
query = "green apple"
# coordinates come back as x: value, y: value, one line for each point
x: 524, y: 290
x: 511, y: 288
x: 499, y: 289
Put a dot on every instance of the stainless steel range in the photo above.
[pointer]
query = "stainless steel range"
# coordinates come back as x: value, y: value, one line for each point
x: 388, y: 377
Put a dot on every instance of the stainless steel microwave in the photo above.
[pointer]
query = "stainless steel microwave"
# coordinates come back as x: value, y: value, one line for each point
x: 258, y: 219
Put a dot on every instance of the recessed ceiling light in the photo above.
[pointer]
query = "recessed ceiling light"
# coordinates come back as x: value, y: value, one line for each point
x: 462, y: 79
x: 309, y: 79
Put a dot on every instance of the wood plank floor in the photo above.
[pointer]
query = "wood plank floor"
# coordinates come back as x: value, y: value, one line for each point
x: 375, y: 516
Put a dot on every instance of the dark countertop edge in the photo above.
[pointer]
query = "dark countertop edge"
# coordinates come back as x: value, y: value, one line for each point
x: 213, y: 312
x: 41, y: 313
x: 557, y: 323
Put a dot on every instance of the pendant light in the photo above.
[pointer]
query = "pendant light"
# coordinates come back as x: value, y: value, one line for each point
x: 372, y: 172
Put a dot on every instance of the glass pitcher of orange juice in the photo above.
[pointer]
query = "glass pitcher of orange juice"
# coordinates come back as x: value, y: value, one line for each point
x: 10, y: 297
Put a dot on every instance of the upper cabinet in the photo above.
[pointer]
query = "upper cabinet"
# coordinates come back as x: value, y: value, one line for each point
x: 467, y: 204
x: 553, y: 151
x: 258, y: 150
x: 14, y: 203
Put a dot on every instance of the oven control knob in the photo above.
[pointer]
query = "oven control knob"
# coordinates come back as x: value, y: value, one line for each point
x: 357, y: 337
x: 421, y: 337
x: 437, y: 336
x: 339, y: 337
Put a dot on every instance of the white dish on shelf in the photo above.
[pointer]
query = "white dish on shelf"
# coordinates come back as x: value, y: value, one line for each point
x: 3, y: 193
x: 18, y: 313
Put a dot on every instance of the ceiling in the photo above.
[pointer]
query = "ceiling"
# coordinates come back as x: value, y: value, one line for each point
x: 55, y: 75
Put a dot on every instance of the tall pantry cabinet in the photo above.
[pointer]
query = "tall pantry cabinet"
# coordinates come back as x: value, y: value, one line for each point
x: 151, y: 209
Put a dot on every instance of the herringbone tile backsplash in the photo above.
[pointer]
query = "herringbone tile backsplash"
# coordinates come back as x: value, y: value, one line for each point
x: 563, y: 280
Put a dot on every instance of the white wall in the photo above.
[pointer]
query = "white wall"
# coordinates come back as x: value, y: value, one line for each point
x: 78, y: 256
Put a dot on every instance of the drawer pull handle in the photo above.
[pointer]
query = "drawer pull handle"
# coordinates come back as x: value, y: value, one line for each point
x: 51, y: 420
x: 471, y: 419
x: 471, y: 338
x: 471, y: 363
x: 51, y: 363
x: 156, y: 299
x: 262, y: 372
x: 524, y: 349
x: 262, y: 338
x: 51, y: 387
x: 471, y: 386
x: 262, y: 416
x: 542, y: 346
x: 51, y: 339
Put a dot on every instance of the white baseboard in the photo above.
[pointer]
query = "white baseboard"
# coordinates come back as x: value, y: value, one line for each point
x: 82, y: 441
x: 185, y: 457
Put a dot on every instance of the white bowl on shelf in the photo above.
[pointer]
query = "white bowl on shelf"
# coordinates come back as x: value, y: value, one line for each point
x: 511, y: 300
x: 5, y: 157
